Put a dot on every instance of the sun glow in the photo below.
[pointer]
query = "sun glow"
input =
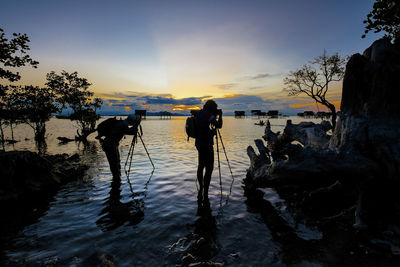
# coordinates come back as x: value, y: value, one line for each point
x: 185, y: 107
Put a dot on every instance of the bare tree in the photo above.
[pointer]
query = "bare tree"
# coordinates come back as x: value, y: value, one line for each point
x: 313, y: 80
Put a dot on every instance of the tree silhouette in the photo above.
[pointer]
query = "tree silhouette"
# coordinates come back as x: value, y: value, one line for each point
x: 313, y: 80
x: 385, y: 16
x: 35, y: 105
x: 73, y: 92
x: 11, y: 112
x: 13, y: 54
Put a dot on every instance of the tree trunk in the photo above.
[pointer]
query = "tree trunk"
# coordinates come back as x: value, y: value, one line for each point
x: 2, y: 135
x: 12, y: 132
x: 333, y: 120
x: 40, y: 131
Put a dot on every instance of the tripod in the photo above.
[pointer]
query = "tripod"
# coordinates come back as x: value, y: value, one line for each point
x: 130, y: 155
x: 218, y: 136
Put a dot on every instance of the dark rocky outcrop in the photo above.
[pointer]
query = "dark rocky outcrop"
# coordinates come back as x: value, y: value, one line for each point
x: 27, y: 175
x: 326, y: 179
x: 28, y: 181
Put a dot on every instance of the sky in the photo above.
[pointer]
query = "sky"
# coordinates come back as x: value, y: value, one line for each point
x: 174, y: 55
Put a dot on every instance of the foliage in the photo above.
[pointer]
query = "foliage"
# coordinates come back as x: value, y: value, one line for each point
x: 13, y: 54
x: 35, y: 106
x: 73, y: 92
x: 10, y: 112
x: 313, y: 79
x: 385, y: 16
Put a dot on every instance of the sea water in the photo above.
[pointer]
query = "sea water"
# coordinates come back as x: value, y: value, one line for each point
x: 140, y: 226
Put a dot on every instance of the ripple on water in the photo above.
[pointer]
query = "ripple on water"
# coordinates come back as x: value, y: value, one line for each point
x: 72, y: 228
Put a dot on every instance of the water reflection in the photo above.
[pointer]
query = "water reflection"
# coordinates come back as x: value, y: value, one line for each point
x: 207, y: 245
x: 201, y: 243
x: 115, y: 213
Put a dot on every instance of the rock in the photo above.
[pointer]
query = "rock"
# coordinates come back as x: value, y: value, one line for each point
x: 309, y: 133
x: 235, y: 255
x: 29, y: 180
x: 188, y: 259
x: 99, y: 259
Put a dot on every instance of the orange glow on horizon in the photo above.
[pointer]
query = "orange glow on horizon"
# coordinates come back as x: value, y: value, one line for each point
x: 231, y: 96
x: 185, y: 107
x: 316, y: 107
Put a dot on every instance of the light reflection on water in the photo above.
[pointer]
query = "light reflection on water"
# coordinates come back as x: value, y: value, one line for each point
x: 92, y: 215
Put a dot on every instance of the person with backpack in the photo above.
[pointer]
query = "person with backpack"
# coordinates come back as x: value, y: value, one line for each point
x: 207, y: 121
x: 113, y: 130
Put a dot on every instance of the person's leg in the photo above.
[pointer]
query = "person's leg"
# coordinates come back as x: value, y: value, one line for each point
x: 200, y: 170
x: 209, y: 163
x: 113, y: 158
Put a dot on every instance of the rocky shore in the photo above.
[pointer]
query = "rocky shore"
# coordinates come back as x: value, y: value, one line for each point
x: 346, y: 183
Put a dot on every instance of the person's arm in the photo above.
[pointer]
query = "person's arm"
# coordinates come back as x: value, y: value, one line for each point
x: 131, y: 130
x: 218, y: 123
x: 126, y: 129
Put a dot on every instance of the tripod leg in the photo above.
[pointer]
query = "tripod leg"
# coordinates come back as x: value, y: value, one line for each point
x: 129, y: 153
x: 129, y: 157
x: 146, y: 151
x: 226, y: 156
x: 219, y: 166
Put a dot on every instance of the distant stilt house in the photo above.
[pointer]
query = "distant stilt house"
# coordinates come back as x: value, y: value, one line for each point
x: 239, y: 113
x: 258, y: 113
x: 308, y: 114
x: 165, y: 115
x: 273, y: 114
x: 141, y: 112
x: 323, y: 115
x: 300, y: 114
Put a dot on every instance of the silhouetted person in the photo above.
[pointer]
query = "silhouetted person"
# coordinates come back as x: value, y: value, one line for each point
x: 113, y: 130
x: 207, y: 124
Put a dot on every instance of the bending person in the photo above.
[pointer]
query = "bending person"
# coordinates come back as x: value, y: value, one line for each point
x: 206, y: 126
x: 113, y: 130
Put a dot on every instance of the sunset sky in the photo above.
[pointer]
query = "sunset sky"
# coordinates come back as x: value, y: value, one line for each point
x: 172, y: 55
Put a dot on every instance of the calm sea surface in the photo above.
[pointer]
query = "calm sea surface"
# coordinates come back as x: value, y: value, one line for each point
x: 142, y: 225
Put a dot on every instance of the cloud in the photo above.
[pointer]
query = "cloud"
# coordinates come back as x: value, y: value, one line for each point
x: 262, y: 76
x: 225, y: 86
x: 127, y: 102
x: 124, y: 103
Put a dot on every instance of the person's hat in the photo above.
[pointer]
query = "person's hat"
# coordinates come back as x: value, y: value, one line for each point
x: 133, y: 119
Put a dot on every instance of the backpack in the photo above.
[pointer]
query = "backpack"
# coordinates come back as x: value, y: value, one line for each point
x: 105, y: 127
x: 192, y: 126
